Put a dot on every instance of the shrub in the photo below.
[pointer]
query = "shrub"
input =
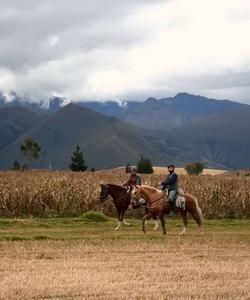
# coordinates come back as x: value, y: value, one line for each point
x: 94, y: 216
x: 194, y: 168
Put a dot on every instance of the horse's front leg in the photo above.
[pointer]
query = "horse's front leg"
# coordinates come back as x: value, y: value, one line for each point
x: 118, y: 225
x: 122, y: 220
x: 185, y: 221
x: 156, y: 225
x: 119, y: 220
x: 144, y: 219
x: 163, y: 224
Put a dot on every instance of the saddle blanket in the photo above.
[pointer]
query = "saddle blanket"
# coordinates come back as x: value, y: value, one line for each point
x: 180, y: 200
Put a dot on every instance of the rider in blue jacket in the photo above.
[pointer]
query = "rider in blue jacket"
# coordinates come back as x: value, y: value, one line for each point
x: 170, y: 183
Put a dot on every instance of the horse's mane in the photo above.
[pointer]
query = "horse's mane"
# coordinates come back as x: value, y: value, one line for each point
x: 116, y: 186
x: 151, y: 188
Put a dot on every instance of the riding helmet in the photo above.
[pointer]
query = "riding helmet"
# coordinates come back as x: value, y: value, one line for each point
x: 171, y: 166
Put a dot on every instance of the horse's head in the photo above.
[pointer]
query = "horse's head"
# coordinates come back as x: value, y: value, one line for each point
x: 136, y: 192
x: 104, y: 192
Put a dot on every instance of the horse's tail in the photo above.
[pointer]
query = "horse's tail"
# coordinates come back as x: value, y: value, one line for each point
x: 199, y: 212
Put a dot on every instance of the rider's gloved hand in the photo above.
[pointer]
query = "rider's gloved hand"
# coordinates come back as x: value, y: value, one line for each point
x: 160, y: 187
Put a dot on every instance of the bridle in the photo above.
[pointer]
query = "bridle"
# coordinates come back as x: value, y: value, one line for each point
x: 106, y: 194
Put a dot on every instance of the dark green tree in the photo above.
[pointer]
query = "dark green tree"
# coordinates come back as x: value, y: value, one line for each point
x: 31, y: 150
x: 25, y: 167
x: 16, y: 166
x: 77, y: 161
x: 144, y: 166
x: 195, y: 168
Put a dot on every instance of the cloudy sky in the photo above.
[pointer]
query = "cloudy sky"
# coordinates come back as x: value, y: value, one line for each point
x: 125, y: 49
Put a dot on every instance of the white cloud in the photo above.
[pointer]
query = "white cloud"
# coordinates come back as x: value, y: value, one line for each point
x: 7, y: 81
x: 126, y: 49
x: 53, y: 40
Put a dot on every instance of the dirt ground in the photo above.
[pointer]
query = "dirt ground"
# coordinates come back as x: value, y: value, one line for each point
x: 73, y: 259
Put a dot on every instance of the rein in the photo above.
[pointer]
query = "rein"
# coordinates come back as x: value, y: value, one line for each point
x: 118, y: 199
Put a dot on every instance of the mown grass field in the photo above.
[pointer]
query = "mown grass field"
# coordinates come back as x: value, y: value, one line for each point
x: 76, y: 258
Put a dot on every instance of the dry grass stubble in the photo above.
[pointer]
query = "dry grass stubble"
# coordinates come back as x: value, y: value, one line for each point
x: 215, y: 266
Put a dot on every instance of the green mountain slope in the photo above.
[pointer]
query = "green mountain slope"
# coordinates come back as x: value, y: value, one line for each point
x: 15, y: 121
x: 223, y: 140
x: 107, y: 142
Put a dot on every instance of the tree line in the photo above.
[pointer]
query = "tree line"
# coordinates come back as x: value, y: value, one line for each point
x: 31, y: 150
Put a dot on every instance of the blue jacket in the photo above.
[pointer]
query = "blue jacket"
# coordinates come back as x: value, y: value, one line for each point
x: 170, y: 182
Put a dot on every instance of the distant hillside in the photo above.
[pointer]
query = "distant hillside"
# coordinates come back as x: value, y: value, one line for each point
x: 221, y: 139
x: 15, y: 121
x: 216, y: 132
x: 106, y: 141
x: 165, y: 113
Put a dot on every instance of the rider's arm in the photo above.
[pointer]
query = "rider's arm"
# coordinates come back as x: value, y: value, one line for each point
x: 164, y: 183
x: 169, y: 180
x: 138, y: 180
x: 126, y: 183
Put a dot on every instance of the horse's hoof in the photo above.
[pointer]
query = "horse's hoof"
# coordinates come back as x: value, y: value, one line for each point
x: 183, y: 231
x: 125, y: 223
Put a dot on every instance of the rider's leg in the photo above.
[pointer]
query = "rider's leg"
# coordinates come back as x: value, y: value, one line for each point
x: 171, y: 198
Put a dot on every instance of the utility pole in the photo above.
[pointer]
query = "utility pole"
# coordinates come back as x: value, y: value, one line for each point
x: 50, y: 166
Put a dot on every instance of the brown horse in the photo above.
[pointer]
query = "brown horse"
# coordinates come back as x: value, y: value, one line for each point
x: 121, y: 199
x: 158, y: 206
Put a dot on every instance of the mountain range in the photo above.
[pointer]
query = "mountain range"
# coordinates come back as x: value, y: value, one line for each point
x: 178, y: 129
x: 166, y: 113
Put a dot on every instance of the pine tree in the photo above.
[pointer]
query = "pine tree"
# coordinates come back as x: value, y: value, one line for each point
x: 144, y: 166
x: 77, y: 161
x: 16, y: 166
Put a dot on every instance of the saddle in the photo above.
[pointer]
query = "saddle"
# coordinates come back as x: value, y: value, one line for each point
x: 180, y: 200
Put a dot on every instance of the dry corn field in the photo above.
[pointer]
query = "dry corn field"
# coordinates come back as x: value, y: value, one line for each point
x: 44, y: 194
